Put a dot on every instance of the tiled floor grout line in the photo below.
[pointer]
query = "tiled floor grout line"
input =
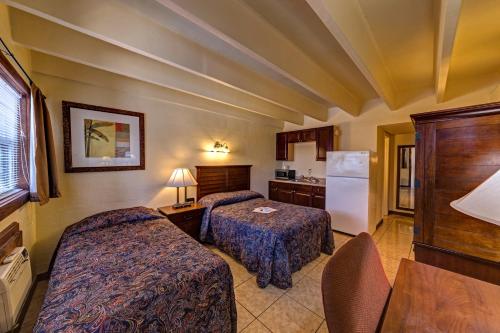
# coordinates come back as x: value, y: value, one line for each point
x: 268, y: 308
x: 244, y: 328
x: 250, y: 323
x: 276, y: 301
x: 317, y: 330
x: 317, y: 314
x: 270, y: 330
x: 239, y: 284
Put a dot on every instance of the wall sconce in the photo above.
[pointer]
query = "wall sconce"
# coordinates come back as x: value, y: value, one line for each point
x: 220, y: 147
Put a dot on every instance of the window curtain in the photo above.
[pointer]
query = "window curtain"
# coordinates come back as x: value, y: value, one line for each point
x: 45, y: 185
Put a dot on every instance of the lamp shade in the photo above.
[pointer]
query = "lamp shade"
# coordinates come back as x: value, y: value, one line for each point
x: 181, y: 177
x: 483, y: 202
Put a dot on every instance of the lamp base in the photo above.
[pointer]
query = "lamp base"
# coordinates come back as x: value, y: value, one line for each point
x: 181, y: 205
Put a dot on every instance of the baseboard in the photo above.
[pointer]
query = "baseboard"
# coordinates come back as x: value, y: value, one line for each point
x: 27, y: 301
x: 343, y: 233
x: 393, y: 212
x: 379, y: 224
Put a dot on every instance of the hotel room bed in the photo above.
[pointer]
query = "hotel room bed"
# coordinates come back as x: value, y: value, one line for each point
x: 274, y: 245
x: 131, y: 270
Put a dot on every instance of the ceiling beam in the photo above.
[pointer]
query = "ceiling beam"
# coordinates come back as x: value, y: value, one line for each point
x: 447, y: 16
x: 346, y: 22
x: 56, y: 67
x: 144, y: 36
x: 41, y: 35
x: 248, y: 38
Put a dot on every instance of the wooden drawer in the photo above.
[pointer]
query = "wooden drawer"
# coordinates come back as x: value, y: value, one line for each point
x: 306, y: 189
x: 191, y: 227
x: 318, y: 202
x: 320, y: 190
x: 186, y: 217
x: 280, y: 185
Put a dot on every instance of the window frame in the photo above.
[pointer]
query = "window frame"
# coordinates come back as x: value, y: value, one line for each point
x: 18, y: 197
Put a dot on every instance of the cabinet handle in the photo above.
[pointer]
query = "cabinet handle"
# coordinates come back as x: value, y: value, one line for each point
x: 188, y: 218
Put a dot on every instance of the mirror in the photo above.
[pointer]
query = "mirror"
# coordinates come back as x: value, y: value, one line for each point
x: 405, y: 196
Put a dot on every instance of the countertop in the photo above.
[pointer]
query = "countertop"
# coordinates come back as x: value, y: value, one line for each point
x: 322, y: 182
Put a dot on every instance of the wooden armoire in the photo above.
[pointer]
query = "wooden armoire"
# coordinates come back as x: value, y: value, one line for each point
x: 456, y: 150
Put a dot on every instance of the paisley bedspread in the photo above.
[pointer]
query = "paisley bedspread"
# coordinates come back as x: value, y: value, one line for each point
x: 274, y: 245
x: 131, y: 270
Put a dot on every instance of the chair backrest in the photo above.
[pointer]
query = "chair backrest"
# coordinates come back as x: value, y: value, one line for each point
x: 355, y: 288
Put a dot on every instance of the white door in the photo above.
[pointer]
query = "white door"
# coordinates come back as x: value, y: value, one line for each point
x: 347, y: 203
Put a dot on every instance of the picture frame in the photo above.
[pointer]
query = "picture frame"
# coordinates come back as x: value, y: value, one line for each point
x: 98, y: 139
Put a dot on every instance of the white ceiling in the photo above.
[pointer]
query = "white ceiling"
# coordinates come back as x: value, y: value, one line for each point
x: 281, y: 59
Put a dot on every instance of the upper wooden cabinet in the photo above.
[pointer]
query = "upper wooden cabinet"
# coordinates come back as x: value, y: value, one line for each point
x: 293, y: 137
x: 284, y: 150
x: 324, y: 142
x: 308, y: 135
x: 323, y: 136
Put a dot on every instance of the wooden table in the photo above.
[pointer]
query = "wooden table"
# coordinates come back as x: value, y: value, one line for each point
x: 429, y: 299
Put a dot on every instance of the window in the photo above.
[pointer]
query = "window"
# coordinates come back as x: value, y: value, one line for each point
x: 14, y: 139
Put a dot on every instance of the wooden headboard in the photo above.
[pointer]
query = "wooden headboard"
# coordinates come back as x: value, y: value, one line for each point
x: 224, y: 178
x: 10, y: 238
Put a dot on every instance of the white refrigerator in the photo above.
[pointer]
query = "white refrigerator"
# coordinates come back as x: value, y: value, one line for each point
x: 350, y: 188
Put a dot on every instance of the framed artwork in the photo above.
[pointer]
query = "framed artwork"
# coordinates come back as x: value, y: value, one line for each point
x: 99, y: 139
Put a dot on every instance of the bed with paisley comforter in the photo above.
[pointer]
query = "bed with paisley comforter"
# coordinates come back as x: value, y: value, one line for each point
x: 131, y: 270
x: 275, y: 244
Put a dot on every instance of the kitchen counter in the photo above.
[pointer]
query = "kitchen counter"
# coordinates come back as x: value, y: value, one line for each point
x: 322, y: 182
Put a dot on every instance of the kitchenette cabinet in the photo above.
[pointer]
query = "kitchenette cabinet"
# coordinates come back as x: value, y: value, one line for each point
x: 323, y: 136
x: 284, y: 149
x: 324, y: 142
x: 297, y: 194
x: 318, y: 197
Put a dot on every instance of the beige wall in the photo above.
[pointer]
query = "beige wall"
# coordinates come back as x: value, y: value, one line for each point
x: 175, y: 137
x: 26, y: 214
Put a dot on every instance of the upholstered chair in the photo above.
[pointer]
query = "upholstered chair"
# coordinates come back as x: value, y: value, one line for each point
x: 355, y: 288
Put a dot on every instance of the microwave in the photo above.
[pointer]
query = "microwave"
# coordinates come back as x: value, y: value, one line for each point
x: 284, y: 174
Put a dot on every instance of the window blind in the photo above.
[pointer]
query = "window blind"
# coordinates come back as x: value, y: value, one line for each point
x: 11, y: 139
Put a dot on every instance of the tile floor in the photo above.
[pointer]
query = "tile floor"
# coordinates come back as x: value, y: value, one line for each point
x: 300, y: 308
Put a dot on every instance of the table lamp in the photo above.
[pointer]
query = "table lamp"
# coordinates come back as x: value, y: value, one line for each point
x: 483, y: 202
x: 181, y: 177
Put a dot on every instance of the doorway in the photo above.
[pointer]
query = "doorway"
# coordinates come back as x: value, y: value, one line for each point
x: 389, y: 138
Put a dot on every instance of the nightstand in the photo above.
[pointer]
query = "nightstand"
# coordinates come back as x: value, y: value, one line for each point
x: 188, y: 219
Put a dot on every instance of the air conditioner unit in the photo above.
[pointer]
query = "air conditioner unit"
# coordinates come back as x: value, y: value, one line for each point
x: 15, y: 282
